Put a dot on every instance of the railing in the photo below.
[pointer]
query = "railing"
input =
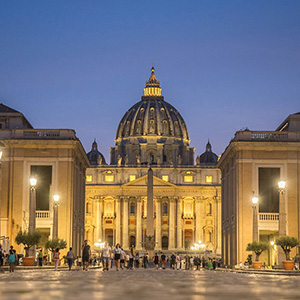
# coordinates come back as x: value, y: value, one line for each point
x: 266, y: 136
x: 268, y: 217
x: 42, y: 214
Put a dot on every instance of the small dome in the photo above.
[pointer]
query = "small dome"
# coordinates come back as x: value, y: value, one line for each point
x: 94, y: 156
x: 208, y: 158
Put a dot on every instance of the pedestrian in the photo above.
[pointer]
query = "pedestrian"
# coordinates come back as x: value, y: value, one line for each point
x: 214, y: 263
x: 86, y: 253
x: 137, y: 260
x: 163, y: 260
x: 1, y: 257
x: 56, y: 258
x: 106, y: 251
x: 127, y: 257
x: 177, y: 262
x: 131, y: 255
x: 209, y: 264
x: 40, y: 258
x: 117, y: 256
x: 145, y: 261
x: 172, y: 261
x: 70, y: 258
x: 156, y: 260
x: 12, y: 260
x: 122, y: 260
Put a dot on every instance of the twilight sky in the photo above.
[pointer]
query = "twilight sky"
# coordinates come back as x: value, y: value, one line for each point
x: 225, y: 65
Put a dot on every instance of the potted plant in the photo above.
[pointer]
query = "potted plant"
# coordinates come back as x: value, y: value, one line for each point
x: 287, y: 243
x: 28, y: 239
x: 257, y: 248
x: 53, y: 244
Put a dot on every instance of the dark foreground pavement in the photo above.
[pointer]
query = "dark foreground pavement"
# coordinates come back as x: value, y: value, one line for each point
x: 145, y: 284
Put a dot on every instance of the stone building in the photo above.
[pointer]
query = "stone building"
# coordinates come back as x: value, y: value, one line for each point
x: 253, y: 164
x: 58, y: 161
x: 187, y: 198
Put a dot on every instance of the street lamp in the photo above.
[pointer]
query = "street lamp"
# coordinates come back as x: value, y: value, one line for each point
x: 55, y: 216
x: 282, y: 217
x: 255, y: 236
x: 32, y: 204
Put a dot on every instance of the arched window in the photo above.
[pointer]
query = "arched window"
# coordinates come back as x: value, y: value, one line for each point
x: 132, y: 208
x: 165, y: 243
x: 165, y: 208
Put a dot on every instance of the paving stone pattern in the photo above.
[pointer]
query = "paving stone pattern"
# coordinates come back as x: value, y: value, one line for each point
x: 145, y: 284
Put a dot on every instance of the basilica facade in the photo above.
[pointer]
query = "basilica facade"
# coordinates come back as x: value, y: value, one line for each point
x: 187, y: 195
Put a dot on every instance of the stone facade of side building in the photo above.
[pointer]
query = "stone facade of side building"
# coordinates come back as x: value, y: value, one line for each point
x: 58, y: 161
x: 187, y: 196
x: 252, y: 165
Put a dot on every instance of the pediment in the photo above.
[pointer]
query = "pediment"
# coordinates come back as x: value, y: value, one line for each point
x: 143, y: 181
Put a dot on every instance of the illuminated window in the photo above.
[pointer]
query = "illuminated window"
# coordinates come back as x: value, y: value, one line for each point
x: 188, y: 178
x: 109, y: 178
x: 89, y: 178
x: 132, y: 177
x: 208, y: 179
x: 165, y: 177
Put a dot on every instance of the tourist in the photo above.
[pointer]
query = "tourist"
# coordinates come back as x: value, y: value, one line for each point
x: 191, y: 263
x: 177, y: 262
x: 117, y: 256
x: 106, y: 253
x: 122, y: 260
x: 137, y: 260
x: 70, y: 258
x: 40, y: 258
x: 12, y: 260
x: 111, y: 259
x: 209, y: 264
x: 131, y: 256
x: 156, y: 260
x: 1, y: 257
x: 127, y: 258
x: 145, y: 261
x: 172, y: 261
x: 214, y: 263
x: 56, y: 258
x: 86, y: 253
x: 163, y: 260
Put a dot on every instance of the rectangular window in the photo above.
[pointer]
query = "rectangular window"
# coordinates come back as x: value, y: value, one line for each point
x: 43, y: 175
x: 268, y: 190
x: 188, y: 178
x: 208, y: 179
x: 132, y: 177
x: 109, y: 178
x: 89, y: 178
x: 165, y: 177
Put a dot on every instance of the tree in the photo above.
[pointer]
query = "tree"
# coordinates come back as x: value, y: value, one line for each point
x: 28, y: 239
x: 287, y: 243
x: 257, y: 248
x: 52, y: 245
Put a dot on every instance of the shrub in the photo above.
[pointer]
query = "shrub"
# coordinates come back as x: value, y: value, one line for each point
x: 287, y: 243
x: 257, y: 248
x: 28, y: 239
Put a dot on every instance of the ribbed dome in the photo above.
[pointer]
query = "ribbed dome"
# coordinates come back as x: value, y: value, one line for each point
x: 95, y: 157
x: 152, y: 116
x: 208, y: 157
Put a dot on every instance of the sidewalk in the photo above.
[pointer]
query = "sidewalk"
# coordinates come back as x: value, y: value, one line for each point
x: 261, y: 271
x: 37, y: 268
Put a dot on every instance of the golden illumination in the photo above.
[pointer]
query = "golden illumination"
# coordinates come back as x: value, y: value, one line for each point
x: 109, y: 178
x: 132, y: 177
x: 165, y: 177
x: 89, y: 178
x: 208, y: 179
x: 188, y: 178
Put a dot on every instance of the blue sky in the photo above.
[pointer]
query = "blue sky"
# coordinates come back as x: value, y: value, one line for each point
x: 225, y: 65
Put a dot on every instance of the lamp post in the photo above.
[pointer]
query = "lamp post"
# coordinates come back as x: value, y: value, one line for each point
x: 55, y: 216
x: 282, y: 230
x: 32, y: 204
x: 255, y: 236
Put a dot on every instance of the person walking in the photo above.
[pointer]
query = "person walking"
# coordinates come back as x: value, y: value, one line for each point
x: 56, y: 258
x: 117, y: 256
x: 172, y: 261
x: 214, y: 263
x: 145, y: 261
x: 106, y: 251
x: 86, y: 253
x: 122, y: 260
x: 11, y: 260
x: 131, y: 256
x: 177, y: 262
x: 70, y: 258
x: 156, y: 260
x: 137, y: 260
x: 163, y: 260
x: 40, y: 258
x: 209, y: 264
x: 1, y: 257
x: 127, y: 257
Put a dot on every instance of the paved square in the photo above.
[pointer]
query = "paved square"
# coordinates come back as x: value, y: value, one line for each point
x: 145, y: 284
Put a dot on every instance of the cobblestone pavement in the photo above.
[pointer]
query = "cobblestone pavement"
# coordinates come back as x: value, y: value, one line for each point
x: 145, y: 284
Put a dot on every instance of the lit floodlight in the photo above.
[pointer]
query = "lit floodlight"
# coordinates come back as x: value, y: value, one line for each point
x: 33, y: 181
x: 56, y: 198
x: 254, y: 200
x: 281, y: 184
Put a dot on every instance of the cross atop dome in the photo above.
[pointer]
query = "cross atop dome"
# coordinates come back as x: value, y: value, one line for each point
x: 152, y: 86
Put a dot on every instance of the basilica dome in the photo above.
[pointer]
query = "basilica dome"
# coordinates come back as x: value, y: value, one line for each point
x: 152, y: 131
x: 152, y: 116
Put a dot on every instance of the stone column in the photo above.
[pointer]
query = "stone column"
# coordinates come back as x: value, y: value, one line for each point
x: 138, y: 242
x: 150, y: 225
x: 172, y: 224
x: 99, y: 220
x: 179, y: 224
x: 158, y: 225
x: 125, y: 223
x: 198, y: 227
x: 118, y: 221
